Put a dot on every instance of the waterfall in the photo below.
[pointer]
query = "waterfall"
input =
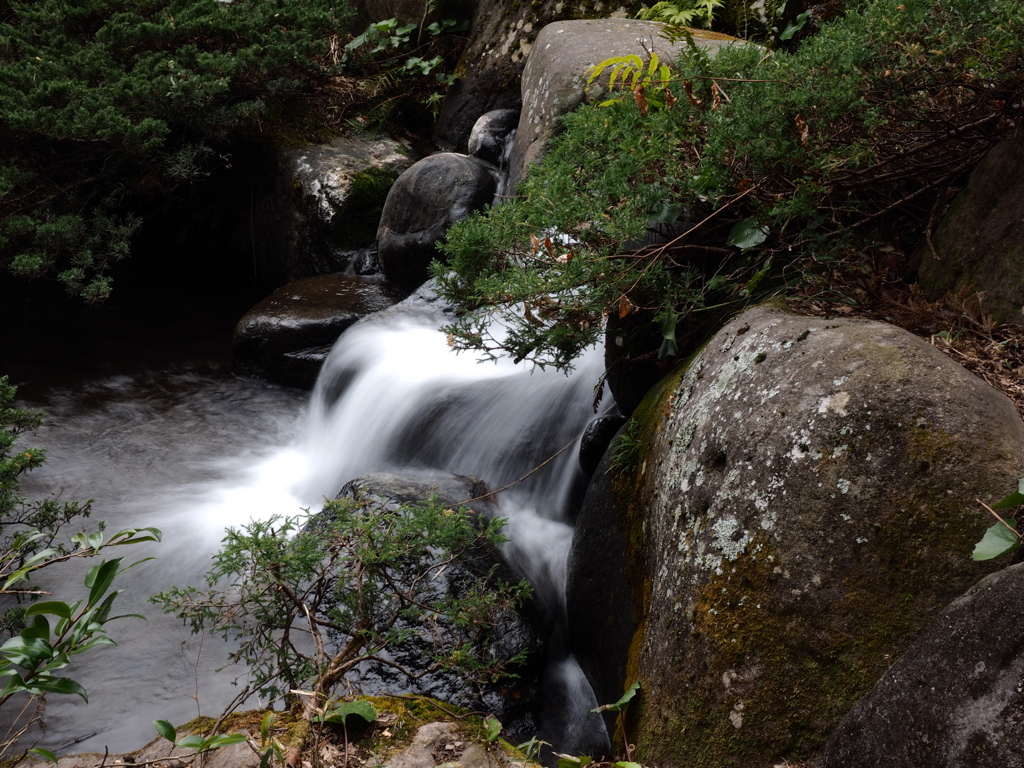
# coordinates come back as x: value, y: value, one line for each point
x: 192, y: 451
x: 392, y: 396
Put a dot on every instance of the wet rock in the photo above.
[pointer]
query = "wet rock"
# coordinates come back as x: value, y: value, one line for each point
x: 489, y: 138
x: 330, y: 197
x: 595, y: 440
x: 800, y: 504
x: 514, y: 702
x: 954, y: 698
x: 426, y: 200
x: 980, y: 244
x: 286, y: 337
x: 554, y: 80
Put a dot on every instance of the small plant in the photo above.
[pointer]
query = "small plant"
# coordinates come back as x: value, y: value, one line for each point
x: 311, y: 599
x: 682, y: 13
x: 200, y: 744
x: 45, y: 636
x: 1003, y: 538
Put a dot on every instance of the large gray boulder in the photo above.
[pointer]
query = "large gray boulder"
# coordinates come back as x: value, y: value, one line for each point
x: 423, y: 204
x: 326, y: 207
x: 787, y: 513
x: 979, y: 246
x: 954, y: 699
x: 286, y: 337
x: 501, y: 37
x: 555, y: 78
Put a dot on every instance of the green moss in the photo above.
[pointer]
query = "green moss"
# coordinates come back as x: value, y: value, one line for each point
x: 355, y: 224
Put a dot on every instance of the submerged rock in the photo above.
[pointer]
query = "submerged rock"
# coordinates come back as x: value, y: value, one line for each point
x: 423, y: 204
x: 955, y: 698
x: 286, y: 337
x: 790, y: 511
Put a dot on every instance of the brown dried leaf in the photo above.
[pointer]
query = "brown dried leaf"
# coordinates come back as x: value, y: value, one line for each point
x: 716, y: 97
x: 688, y: 87
x: 805, y: 130
x: 625, y: 306
x: 640, y: 99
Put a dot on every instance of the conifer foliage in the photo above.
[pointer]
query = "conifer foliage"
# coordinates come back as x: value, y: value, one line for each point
x: 102, y: 100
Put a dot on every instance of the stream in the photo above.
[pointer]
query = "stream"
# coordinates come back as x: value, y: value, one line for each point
x: 188, y: 448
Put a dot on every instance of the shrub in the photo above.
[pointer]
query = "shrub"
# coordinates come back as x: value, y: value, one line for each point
x: 771, y: 169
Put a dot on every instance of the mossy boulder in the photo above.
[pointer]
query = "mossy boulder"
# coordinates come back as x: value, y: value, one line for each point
x: 979, y: 246
x: 555, y: 78
x: 328, y: 203
x: 791, y: 509
x: 955, y: 697
x: 501, y: 37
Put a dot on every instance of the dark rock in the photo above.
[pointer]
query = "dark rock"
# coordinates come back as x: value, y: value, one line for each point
x: 489, y: 138
x: 955, y: 698
x: 286, y: 337
x: 980, y: 244
x: 603, y: 607
x: 426, y: 200
x: 330, y: 199
x: 595, y: 440
x: 554, y: 80
x: 799, y: 504
x: 514, y: 702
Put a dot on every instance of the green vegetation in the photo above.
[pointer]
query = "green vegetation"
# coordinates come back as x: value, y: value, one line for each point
x: 1003, y: 538
x: 764, y: 171
x: 45, y: 635
x: 312, y: 599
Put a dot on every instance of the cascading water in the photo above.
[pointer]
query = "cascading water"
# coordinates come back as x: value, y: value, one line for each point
x: 391, y: 397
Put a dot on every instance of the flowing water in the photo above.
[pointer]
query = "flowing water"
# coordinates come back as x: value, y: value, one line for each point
x: 192, y: 451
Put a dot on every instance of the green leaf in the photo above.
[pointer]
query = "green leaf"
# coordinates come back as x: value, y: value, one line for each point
x: 192, y: 742
x: 746, y: 234
x: 622, y: 703
x: 44, y: 754
x: 1015, y: 499
x: 997, y: 541
x: 166, y: 730
x: 53, y: 607
x: 225, y: 740
x: 627, y: 764
x: 669, y: 213
x: 359, y: 707
x: 570, y: 761
x: 61, y: 685
x: 100, y: 577
x: 493, y: 727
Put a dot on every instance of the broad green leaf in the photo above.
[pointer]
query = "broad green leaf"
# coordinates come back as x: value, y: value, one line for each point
x: 570, y: 761
x: 1015, y: 499
x: 746, y: 234
x: 100, y: 577
x: 359, y: 707
x: 622, y: 703
x: 226, y: 740
x: 39, y: 628
x: 670, y: 212
x: 62, y: 685
x: 166, y: 730
x: 27, y: 650
x: 627, y: 764
x: 997, y: 541
x: 192, y: 742
x: 493, y: 727
x: 53, y: 607
x: 43, y: 754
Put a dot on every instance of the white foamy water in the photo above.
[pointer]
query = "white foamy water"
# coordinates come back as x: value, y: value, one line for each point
x: 192, y: 455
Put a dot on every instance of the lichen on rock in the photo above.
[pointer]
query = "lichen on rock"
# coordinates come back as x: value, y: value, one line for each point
x: 804, y: 503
